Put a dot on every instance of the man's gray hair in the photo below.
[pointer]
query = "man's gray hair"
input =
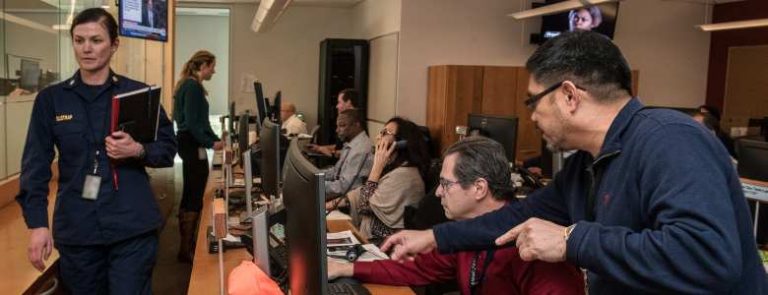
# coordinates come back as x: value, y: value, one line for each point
x: 482, y: 157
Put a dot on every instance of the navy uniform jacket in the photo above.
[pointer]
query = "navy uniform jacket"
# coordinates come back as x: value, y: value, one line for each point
x: 668, y: 213
x: 59, y: 119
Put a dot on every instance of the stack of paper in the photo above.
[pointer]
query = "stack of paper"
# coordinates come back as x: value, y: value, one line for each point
x: 340, y: 243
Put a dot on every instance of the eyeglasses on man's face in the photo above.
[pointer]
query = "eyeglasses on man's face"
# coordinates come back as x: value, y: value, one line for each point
x: 533, y: 100
x: 446, y: 184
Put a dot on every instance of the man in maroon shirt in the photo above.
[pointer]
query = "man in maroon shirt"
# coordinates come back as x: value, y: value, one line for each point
x: 474, y: 180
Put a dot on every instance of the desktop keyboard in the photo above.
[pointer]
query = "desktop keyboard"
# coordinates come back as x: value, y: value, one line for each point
x: 278, y: 260
x: 346, y: 289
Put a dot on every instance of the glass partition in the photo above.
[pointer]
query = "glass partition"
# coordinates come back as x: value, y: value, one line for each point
x: 34, y: 37
x: 36, y: 51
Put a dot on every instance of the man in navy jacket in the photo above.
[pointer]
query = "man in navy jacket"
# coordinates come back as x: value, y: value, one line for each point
x: 649, y: 204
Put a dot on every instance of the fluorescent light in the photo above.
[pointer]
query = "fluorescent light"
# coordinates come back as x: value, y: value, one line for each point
x: 27, y: 23
x: 557, y: 8
x: 744, y: 24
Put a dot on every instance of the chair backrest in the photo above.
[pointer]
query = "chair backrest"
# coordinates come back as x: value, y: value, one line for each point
x: 428, y: 211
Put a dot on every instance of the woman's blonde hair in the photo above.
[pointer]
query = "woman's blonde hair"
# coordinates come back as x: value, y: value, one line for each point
x: 192, y: 67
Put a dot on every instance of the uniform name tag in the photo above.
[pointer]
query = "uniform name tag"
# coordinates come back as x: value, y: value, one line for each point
x: 91, y: 187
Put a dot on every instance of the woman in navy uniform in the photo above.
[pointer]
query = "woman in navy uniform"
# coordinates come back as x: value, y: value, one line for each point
x: 105, y: 232
x: 194, y: 137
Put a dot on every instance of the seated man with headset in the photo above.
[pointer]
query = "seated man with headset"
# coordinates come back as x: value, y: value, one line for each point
x: 355, y: 159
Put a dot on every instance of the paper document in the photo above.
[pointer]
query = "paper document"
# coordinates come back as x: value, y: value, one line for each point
x: 341, y: 239
x: 371, y: 253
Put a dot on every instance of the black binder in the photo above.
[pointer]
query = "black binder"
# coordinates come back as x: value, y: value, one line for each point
x: 138, y: 113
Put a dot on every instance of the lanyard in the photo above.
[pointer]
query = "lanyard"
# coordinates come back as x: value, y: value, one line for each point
x: 92, y: 133
x: 474, y: 278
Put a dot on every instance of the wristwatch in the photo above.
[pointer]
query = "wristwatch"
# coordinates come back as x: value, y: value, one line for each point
x: 567, y: 232
x: 142, y: 152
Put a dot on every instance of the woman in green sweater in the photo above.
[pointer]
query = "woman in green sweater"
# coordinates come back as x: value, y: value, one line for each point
x: 194, y: 136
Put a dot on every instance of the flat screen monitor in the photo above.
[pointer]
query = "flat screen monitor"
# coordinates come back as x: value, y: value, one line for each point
x: 261, y: 104
x: 599, y: 18
x: 276, y: 108
x: 753, y: 159
x: 146, y: 19
x: 242, y: 133
x: 231, y: 121
x: 270, y: 158
x: 304, y: 198
x: 30, y: 75
x: 502, y: 129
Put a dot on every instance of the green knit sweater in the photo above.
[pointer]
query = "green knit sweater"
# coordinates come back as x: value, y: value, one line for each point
x: 191, y: 113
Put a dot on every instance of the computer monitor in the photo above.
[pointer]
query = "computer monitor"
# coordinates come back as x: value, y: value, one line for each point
x: 30, y: 75
x: 231, y: 122
x: 276, y: 108
x: 270, y: 158
x: 261, y: 104
x: 753, y: 159
x: 304, y: 198
x: 502, y: 129
x: 242, y: 134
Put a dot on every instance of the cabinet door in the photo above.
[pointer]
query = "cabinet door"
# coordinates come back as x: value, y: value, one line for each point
x: 453, y: 93
x: 504, y: 91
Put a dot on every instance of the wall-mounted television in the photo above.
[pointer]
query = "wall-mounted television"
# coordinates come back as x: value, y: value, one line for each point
x: 599, y: 18
x: 146, y: 19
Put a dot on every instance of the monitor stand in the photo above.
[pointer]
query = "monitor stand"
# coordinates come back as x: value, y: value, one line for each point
x: 261, y: 238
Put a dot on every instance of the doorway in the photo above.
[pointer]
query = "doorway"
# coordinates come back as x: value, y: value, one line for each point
x: 208, y: 29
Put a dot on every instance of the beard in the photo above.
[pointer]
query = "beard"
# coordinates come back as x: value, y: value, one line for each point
x: 556, y: 142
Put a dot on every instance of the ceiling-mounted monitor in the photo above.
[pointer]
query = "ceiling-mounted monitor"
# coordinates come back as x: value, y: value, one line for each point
x: 146, y: 19
x: 600, y: 18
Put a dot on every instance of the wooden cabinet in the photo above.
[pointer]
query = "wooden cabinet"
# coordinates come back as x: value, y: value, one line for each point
x: 456, y: 91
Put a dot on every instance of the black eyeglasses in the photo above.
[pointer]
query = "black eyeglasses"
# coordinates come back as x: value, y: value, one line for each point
x: 531, y: 102
x: 386, y: 131
x: 446, y: 184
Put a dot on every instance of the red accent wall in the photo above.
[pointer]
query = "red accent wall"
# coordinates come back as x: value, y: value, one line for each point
x: 722, y: 40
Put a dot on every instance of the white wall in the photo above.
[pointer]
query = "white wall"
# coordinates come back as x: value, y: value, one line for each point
x: 190, y: 31
x: 671, y: 56
x: 670, y: 53
x: 438, y: 32
x: 286, y: 57
x: 379, y: 23
x: 374, y: 18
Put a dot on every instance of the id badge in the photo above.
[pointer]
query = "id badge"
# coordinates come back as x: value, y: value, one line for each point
x: 202, y: 154
x: 91, y: 187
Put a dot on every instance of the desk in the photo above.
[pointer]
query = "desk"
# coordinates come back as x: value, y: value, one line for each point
x: 205, y: 269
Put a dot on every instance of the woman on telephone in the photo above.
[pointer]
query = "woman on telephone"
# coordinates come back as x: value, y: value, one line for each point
x: 397, y: 177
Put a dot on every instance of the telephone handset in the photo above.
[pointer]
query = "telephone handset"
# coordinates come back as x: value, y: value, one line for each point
x: 401, y: 144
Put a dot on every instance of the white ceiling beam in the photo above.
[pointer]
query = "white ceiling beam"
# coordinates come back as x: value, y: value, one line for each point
x: 744, y: 24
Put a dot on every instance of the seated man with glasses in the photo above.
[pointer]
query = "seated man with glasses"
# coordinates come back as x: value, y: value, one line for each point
x: 474, y: 180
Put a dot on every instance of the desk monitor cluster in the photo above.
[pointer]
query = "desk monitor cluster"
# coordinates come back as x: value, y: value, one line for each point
x: 288, y: 243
